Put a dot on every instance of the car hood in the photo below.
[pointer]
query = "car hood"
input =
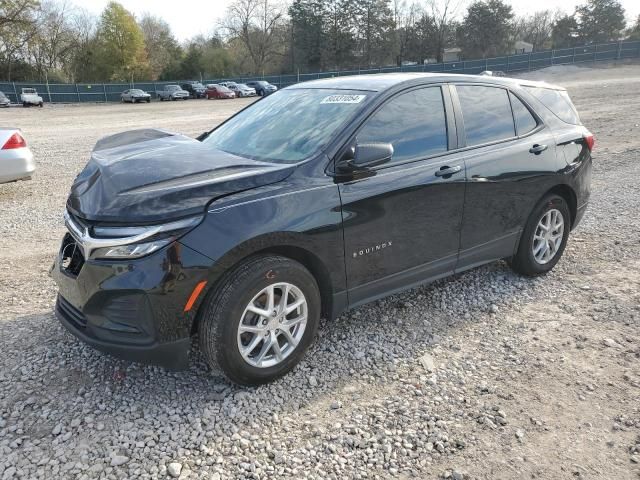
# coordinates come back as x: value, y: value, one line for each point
x: 152, y: 176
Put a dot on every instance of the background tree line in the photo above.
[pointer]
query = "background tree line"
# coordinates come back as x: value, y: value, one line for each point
x: 57, y: 41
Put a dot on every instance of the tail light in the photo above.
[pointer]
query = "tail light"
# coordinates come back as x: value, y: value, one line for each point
x: 590, y: 141
x: 15, y: 141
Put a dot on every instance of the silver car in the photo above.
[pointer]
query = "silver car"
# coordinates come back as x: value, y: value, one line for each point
x: 240, y: 89
x: 16, y: 160
x: 4, y: 101
x: 135, y: 95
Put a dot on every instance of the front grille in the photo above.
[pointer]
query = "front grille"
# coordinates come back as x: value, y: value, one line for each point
x: 71, y: 313
x: 72, y: 259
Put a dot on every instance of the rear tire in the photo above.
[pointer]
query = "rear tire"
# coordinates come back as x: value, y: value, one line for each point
x: 544, y: 237
x: 229, y: 327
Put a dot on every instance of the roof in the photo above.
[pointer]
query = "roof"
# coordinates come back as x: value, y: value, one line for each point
x: 522, y: 43
x: 378, y: 82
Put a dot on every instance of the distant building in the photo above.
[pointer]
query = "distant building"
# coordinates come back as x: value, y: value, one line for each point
x: 521, y: 46
x: 451, y: 54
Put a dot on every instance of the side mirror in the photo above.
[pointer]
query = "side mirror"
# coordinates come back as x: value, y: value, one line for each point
x: 365, y: 156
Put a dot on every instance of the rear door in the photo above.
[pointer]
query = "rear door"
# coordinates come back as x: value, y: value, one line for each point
x: 402, y: 222
x: 510, y: 163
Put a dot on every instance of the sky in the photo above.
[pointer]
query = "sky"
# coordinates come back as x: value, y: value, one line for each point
x: 201, y: 16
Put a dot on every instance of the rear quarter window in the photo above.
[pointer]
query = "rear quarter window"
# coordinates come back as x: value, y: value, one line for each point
x: 558, y: 102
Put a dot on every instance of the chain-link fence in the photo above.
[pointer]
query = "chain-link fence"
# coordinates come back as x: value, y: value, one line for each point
x: 110, y: 92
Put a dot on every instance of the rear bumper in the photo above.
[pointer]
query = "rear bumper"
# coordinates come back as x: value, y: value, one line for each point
x: 579, y: 215
x: 16, y: 164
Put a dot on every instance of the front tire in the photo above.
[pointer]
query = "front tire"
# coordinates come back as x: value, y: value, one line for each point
x: 544, y: 237
x: 257, y: 325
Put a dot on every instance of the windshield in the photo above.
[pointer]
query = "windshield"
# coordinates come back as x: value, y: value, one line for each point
x: 136, y: 91
x: 197, y: 85
x: 28, y: 90
x: 2, y: 95
x: 288, y: 126
x: 222, y: 88
x: 172, y: 87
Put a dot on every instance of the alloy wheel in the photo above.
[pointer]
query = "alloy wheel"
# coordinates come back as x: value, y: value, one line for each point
x: 548, y: 236
x: 272, y: 325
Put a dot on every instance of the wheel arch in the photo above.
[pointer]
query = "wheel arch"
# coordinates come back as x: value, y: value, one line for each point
x: 256, y: 247
x: 569, y: 195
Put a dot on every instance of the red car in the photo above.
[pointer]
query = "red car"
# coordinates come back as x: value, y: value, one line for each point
x: 218, y: 91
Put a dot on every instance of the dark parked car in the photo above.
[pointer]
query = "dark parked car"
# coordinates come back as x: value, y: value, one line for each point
x: 195, y: 89
x: 325, y: 196
x: 261, y: 87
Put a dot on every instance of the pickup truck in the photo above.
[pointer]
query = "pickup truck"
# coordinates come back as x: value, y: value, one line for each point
x: 172, y: 92
x: 29, y: 96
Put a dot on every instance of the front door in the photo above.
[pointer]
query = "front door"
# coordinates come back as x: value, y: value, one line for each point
x: 402, y: 224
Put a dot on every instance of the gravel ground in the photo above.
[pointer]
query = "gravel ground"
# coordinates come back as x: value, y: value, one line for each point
x: 483, y: 375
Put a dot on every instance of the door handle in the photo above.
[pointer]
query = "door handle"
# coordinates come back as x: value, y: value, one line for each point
x: 446, y: 171
x: 537, y: 149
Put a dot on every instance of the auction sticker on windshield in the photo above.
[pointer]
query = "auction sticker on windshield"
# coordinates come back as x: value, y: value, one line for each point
x: 343, y: 99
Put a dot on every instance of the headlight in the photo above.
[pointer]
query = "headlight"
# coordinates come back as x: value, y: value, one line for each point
x: 127, y: 242
x: 134, y: 250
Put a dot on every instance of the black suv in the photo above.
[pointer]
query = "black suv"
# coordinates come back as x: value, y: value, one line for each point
x: 317, y: 199
x: 195, y: 89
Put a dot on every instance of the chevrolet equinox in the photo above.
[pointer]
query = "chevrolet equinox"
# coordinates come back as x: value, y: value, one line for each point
x: 319, y: 198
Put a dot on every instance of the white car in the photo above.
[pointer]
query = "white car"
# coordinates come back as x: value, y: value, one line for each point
x: 16, y: 159
x: 29, y: 96
x: 240, y: 89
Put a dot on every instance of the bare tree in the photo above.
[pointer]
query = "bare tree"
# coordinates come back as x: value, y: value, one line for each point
x: 17, y: 27
x: 536, y: 28
x: 443, y: 13
x: 17, y: 12
x: 257, y: 25
x: 405, y: 19
x: 55, y: 37
x: 162, y: 47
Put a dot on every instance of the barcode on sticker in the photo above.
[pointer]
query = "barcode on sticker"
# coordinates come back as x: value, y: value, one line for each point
x: 343, y: 99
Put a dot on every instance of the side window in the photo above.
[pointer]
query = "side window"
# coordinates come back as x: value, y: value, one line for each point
x: 486, y: 112
x: 413, y: 122
x: 558, y: 102
x: 525, y: 122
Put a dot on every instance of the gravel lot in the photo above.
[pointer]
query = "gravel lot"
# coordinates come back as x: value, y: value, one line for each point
x: 485, y: 375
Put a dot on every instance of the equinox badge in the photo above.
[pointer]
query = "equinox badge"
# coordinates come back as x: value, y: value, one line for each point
x: 374, y: 248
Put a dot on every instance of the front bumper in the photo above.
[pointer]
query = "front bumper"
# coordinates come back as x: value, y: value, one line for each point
x: 134, y: 309
x: 172, y: 355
